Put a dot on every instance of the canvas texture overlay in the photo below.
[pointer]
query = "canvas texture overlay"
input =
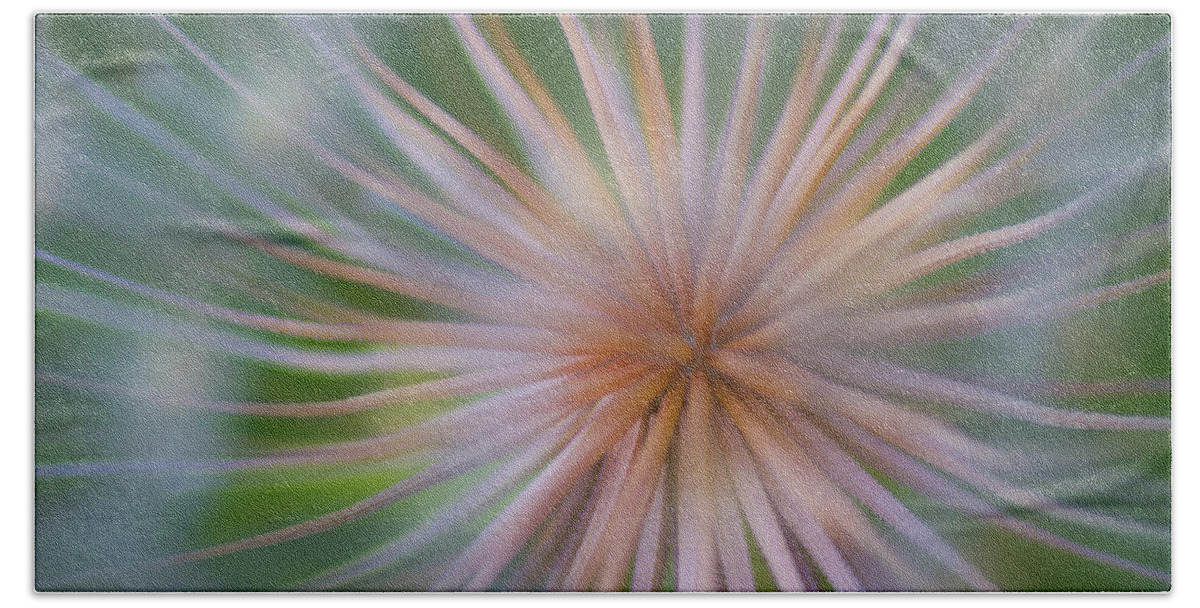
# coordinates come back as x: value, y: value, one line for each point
x: 603, y: 302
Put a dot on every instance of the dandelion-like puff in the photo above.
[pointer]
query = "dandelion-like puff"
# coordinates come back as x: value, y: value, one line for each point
x: 679, y: 353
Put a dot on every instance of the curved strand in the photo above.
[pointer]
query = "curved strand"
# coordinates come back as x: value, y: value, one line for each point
x: 479, y: 565
x: 536, y: 455
x: 907, y: 383
x: 902, y: 467
x: 637, y: 493
x: 760, y: 515
x: 795, y: 498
